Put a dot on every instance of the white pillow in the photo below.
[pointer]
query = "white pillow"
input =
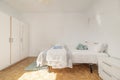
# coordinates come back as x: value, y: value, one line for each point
x: 97, y: 47
x: 91, y: 46
x: 58, y: 44
x: 105, y: 48
x: 101, y: 48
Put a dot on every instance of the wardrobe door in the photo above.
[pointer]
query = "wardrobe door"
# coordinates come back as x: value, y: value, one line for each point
x: 24, y: 31
x: 21, y: 41
x: 15, y: 35
x: 4, y: 40
x: 25, y: 40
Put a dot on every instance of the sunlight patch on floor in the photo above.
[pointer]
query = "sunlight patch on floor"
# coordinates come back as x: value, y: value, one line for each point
x: 38, y: 75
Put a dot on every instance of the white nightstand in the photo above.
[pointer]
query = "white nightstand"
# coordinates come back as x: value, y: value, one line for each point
x: 109, y: 68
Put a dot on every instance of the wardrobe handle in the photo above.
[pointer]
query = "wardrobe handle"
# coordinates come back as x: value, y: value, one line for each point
x: 10, y: 40
x: 21, y: 40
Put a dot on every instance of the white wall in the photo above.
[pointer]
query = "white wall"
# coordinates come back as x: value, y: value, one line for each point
x: 71, y: 28
x: 47, y: 29
x: 104, y: 24
x: 4, y: 7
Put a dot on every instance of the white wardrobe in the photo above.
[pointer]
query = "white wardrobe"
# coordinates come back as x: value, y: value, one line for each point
x: 4, y: 40
x: 14, y: 41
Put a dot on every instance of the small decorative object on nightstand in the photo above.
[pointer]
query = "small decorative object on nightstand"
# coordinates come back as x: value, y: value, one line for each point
x: 109, y: 68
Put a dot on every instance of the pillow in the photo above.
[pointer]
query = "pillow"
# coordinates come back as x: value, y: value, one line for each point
x: 82, y: 47
x: 91, y: 46
x: 98, y: 48
x: 101, y: 48
x: 57, y: 47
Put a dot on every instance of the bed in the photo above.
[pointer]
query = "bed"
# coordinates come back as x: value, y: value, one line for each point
x: 86, y: 56
x: 62, y: 56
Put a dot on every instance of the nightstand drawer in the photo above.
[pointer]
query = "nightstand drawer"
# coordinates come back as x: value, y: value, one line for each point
x: 106, y: 75
x: 109, y: 68
x: 114, y: 78
x: 116, y: 72
x: 106, y: 66
x: 106, y: 63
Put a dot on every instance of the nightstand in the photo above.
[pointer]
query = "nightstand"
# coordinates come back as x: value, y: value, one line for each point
x: 109, y: 68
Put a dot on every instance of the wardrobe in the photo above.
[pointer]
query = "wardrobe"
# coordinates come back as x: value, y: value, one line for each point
x: 14, y: 40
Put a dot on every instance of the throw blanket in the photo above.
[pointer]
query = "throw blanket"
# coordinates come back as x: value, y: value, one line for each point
x: 57, y: 58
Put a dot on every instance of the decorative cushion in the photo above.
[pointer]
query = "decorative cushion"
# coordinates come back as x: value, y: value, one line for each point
x: 82, y: 47
x: 58, y: 46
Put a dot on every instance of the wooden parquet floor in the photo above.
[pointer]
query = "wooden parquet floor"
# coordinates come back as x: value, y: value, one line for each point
x: 78, y: 72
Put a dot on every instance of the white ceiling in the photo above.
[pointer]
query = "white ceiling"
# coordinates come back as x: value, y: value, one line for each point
x: 49, y: 5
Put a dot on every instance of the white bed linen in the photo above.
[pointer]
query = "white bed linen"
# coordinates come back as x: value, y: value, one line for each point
x: 57, y: 58
x: 41, y: 59
x: 86, y: 56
